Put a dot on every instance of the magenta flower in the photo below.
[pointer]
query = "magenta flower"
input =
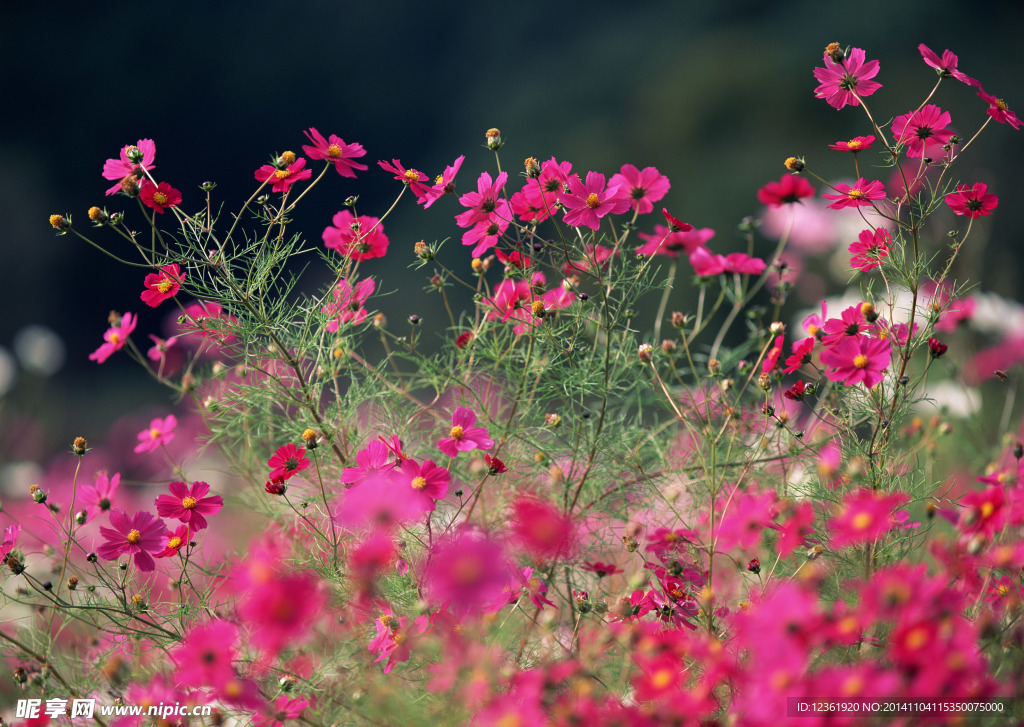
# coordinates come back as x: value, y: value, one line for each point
x: 482, y: 203
x: 125, y: 168
x: 281, y: 179
x: 286, y: 462
x: 997, y: 109
x: 537, y: 199
x: 335, y: 151
x: 378, y: 501
x: 189, y: 504
x: 706, y: 263
x: 743, y: 264
x: 360, y: 238
x: 463, y: 436
x: 922, y: 129
x: 801, y: 355
x: 466, y: 570
x: 175, y: 541
x: 159, y: 196
x: 542, y: 530
x: 858, y: 359
x: 11, y: 533
x: 643, y: 188
x: 348, y: 303
x: 865, y: 516
x: 285, y: 708
x: 789, y: 189
x: 856, y: 144
x: 282, y: 608
x: 945, y: 66
x: 209, y: 321
x: 416, y: 180
x: 97, y: 498
x: 428, y: 482
x: 163, y: 285
x: 137, y: 536
x: 206, y: 658
x: 972, y: 202
x: 870, y: 248
x: 160, y: 432
x: 859, y: 195
x: 586, y: 204
x: 841, y: 83
x: 670, y: 243
x: 851, y: 322
x: 371, y: 459
x: 115, y: 338
x: 444, y: 184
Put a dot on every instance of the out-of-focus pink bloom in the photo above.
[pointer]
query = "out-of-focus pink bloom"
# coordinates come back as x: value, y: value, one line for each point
x: 137, y: 536
x: 163, y: 285
x: 670, y: 243
x: 541, y: 530
x: 335, y: 151
x: 793, y: 531
x: 378, y: 501
x: 945, y: 66
x: 360, y: 238
x: 466, y: 570
x: 282, y: 609
x: 371, y: 459
x: 160, y: 432
x: 742, y: 264
x: 841, y: 83
x: 642, y: 187
x: 209, y: 321
x: 858, y: 359
x: 464, y: 437
x: 159, y: 196
x: 348, y: 303
x: 771, y: 359
x: 865, y: 516
x: 124, y: 168
x: 11, y: 533
x: 206, y: 657
x: 282, y: 179
x: 189, y: 504
x: 586, y: 204
x: 116, y: 337
x: 972, y: 202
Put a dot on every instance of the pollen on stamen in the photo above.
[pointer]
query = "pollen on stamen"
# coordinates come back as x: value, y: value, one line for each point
x: 334, y: 151
x: 189, y: 503
x: 854, y: 143
x: 134, y: 537
x: 855, y: 193
x: 174, y: 542
x: 456, y: 432
x: 412, y: 175
x: 593, y: 200
x: 1001, y: 105
x: 154, y: 433
x: 861, y: 361
x: 418, y: 483
x: 160, y: 198
x: 283, y: 173
x: 861, y: 521
x: 164, y: 285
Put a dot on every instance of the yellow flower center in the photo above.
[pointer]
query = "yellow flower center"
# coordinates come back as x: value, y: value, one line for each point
x: 134, y: 537
x: 115, y: 337
x: 593, y: 200
x: 1001, y: 105
x: 334, y: 151
x: 174, y: 542
x: 813, y: 330
x: 917, y: 638
x: 987, y: 509
x: 418, y: 483
x: 854, y: 143
x: 861, y: 361
x: 385, y: 620
x: 164, y: 285
x: 154, y: 433
x: 855, y: 193
x: 438, y: 179
x: 456, y: 432
x: 412, y: 176
x: 189, y: 503
x: 661, y: 678
x: 283, y: 173
x: 399, y: 637
x: 160, y: 198
x: 861, y: 521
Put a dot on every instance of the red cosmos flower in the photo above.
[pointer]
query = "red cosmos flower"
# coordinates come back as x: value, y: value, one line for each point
x: 348, y: 303
x: 285, y: 708
x: 997, y: 109
x: 494, y: 465
x: 601, y: 569
x: 123, y: 168
x: 865, y: 516
x: 586, y: 204
x: 97, y: 498
x: 360, y: 238
x: 282, y: 179
x: 175, y: 541
x: 856, y: 144
x: 464, y: 437
x: 115, y: 338
x: 801, y: 354
x: 771, y: 358
x: 706, y: 263
x: 858, y: 359
x: 936, y: 348
x: 160, y: 432
x: 796, y: 391
x: 287, y: 461
x: 972, y: 202
x: 463, y: 339
x: 671, y: 242
x: 416, y: 180
x: 594, y: 257
x: 859, y: 195
x: 369, y: 460
x: 514, y: 259
x: 443, y: 184
x: 163, y: 285
x: 945, y: 66
x: 743, y: 264
x: 137, y: 536
x: 922, y: 129
x: 675, y: 224
x: 541, y: 529
x: 841, y: 83
x: 189, y: 504
x: 870, y: 248
x: 789, y: 189
x: 643, y: 188
x: 336, y: 151
x: 159, y: 196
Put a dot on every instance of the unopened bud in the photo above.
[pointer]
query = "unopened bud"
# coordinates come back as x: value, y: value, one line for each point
x: 38, y: 494
x: 714, y: 366
x: 668, y: 346
x: 81, y: 517
x: 98, y: 216
x: 777, y: 328
x: 538, y: 309
x: 286, y: 159
x: 794, y: 165
x: 422, y: 250
x: 494, y: 141
x: 309, y: 437
x: 532, y: 168
x: 380, y: 321
x: 72, y: 583
x: 764, y: 382
x: 59, y: 223
x: 553, y: 420
x: 78, y: 446
x: 678, y: 319
x: 833, y: 51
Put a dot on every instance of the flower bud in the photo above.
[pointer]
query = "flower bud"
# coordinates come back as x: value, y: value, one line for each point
x: 309, y: 437
x: 275, y: 486
x: 814, y: 552
x: 287, y: 158
x: 538, y: 309
x: 936, y: 347
x: 678, y: 319
x: 477, y: 265
x: 414, y: 319
x: 494, y: 141
x: 38, y: 494
x: 532, y: 167
x: 835, y: 52
x: 59, y: 223
x: 553, y: 420
x: 422, y: 251
x: 644, y: 352
x: 868, y: 311
x: 98, y: 216
x: 764, y: 382
x: 794, y: 165
x: 714, y: 366
x: 754, y: 566
x: 81, y: 517
x: 726, y: 384
x: 380, y: 321
x: 78, y: 446
x: 668, y: 346
x: 777, y: 328
x: 72, y: 583
x: 134, y: 154
x: 463, y: 339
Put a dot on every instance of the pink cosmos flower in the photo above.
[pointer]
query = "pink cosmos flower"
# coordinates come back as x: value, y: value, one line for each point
x: 11, y: 533
x: 997, y: 109
x: 972, y: 202
x: 428, y: 482
x: 416, y: 180
x: 859, y: 195
x: 392, y: 643
x: 158, y: 351
x: 360, y: 238
x: 336, y: 151
x: 858, y: 359
x: 285, y: 708
x: 794, y: 530
x: 586, y: 204
x: 850, y: 323
x: 742, y: 264
x: 537, y: 199
x: 115, y: 338
x: 124, y: 168
x: 945, y: 66
x: 281, y: 609
x: 802, y: 351
x: 594, y: 257
x: 869, y: 250
x: 642, y: 188
x: 163, y: 285
x: 175, y: 541
x: 464, y: 437
x: 841, y: 83
x: 97, y: 498
x: 486, y: 233
x: 771, y: 359
x: 789, y: 189
x: 137, y: 536
x: 444, y: 184
x: 189, y: 504
x: 482, y: 203
x: 856, y: 144
x: 671, y: 243
x: 348, y: 303
x: 706, y: 263
x: 206, y: 658
x: 282, y: 179
x: 512, y: 300
x: 371, y: 459
x: 922, y: 130
x: 466, y: 570
x: 865, y: 516
x: 160, y: 432
x: 287, y: 461
x: 378, y: 501
x: 541, y: 529
x: 159, y: 196
x: 814, y: 323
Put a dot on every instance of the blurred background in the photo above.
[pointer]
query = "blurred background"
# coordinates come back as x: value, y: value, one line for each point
x: 714, y: 94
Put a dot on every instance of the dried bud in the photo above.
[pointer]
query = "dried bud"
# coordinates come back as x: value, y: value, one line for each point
x: 645, y: 352
x: 726, y: 384
x: 130, y: 186
x: 309, y: 437
x: 630, y: 543
x: 668, y: 346
x: 714, y: 366
x: 930, y: 509
x: 287, y: 683
x: 833, y: 51
x: 794, y: 165
x: 138, y: 602
x: 380, y: 321
x: 494, y: 141
x: 538, y: 309
x: 78, y: 446
x: 553, y: 420
x: 532, y: 167
x: 98, y: 216
x: 72, y: 583
x: 59, y: 223
x: 287, y: 158
x: 764, y: 382
x: 422, y: 251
